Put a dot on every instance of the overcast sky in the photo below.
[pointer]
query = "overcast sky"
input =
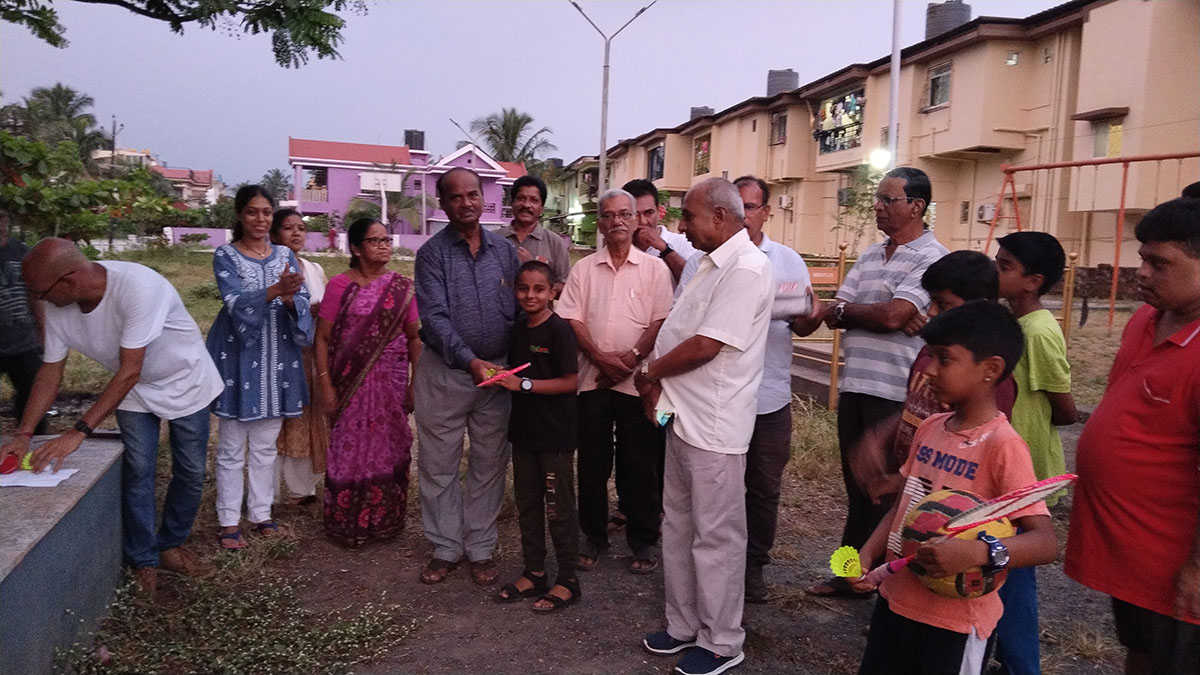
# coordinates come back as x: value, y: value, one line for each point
x: 208, y: 100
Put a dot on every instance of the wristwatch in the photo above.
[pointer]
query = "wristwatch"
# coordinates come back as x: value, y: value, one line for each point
x: 997, y: 552
x: 666, y: 251
x: 526, y: 385
x: 83, y: 427
x: 637, y: 354
x: 646, y: 371
x: 839, y: 310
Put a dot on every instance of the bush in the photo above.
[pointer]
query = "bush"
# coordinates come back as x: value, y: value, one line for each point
x: 205, y: 291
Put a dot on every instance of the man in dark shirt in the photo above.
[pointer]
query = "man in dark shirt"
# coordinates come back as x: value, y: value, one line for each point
x: 464, y: 279
x: 20, y: 338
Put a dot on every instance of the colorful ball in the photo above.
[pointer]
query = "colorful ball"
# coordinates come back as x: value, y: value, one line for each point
x: 925, y: 521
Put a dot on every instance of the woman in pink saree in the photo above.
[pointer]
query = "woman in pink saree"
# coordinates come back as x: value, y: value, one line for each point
x: 366, y: 349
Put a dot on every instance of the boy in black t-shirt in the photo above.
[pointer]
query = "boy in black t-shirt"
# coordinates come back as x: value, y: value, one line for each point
x: 542, y: 431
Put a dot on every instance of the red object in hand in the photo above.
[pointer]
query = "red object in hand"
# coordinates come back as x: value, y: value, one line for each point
x: 9, y: 464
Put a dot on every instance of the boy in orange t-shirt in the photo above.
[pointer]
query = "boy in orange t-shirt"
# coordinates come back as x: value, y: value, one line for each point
x: 973, y: 448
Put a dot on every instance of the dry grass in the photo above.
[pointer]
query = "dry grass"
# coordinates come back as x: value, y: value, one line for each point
x: 1091, y: 353
x: 1080, y: 640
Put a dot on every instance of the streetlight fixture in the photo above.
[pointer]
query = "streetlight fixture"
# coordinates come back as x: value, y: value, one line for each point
x: 603, y: 178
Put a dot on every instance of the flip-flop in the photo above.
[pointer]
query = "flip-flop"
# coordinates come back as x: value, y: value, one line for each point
x: 268, y: 528
x: 231, y: 541
x: 654, y: 565
x: 484, y: 572
x: 586, y: 566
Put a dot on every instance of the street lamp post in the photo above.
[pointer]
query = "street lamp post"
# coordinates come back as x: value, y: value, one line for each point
x: 603, y: 178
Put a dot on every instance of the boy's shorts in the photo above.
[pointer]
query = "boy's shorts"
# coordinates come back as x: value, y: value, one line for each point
x: 1172, y: 645
x: 897, y: 645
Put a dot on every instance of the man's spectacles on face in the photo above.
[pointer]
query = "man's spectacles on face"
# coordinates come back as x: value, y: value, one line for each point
x: 620, y: 215
x: 752, y: 207
x: 888, y: 201
x: 43, y: 294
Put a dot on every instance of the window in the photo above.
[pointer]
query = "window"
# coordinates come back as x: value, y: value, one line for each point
x: 753, y: 126
x: 655, y: 161
x: 778, y: 128
x: 939, y: 86
x: 1012, y: 59
x: 964, y: 212
x: 1106, y: 138
x: 839, y: 122
x: 701, y: 154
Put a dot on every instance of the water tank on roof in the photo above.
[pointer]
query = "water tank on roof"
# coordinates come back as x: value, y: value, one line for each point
x: 700, y: 111
x: 780, y: 81
x: 556, y: 162
x: 945, y: 16
x: 414, y: 139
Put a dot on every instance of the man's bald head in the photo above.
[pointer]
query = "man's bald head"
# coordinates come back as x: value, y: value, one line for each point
x: 50, y: 259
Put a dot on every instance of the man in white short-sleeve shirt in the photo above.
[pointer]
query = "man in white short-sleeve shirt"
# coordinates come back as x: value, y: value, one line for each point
x: 131, y: 320
x: 706, y: 369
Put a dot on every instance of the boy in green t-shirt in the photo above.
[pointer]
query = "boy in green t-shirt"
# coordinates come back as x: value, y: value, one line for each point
x: 1030, y: 263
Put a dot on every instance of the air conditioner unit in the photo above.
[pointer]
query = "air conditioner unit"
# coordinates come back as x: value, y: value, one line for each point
x: 785, y: 201
x: 985, y: 213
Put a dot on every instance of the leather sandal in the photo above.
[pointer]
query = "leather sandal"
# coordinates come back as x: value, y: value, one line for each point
x: 437, y: 570
x: 510, y: 593
x: 557, y: 603
x: 484, y: 572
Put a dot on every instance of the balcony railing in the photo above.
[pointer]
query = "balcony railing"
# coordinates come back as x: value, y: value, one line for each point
x: 838, y: 138
x: 314, y: 196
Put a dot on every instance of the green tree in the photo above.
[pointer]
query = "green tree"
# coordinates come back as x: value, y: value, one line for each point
x: 46, y: 193
x: 56, y: 114
x: 509, y: 136
x: 278, y: 183
x: 856, y: 206
x: 297, y: 27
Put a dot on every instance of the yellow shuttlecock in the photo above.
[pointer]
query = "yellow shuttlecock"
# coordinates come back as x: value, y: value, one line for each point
x: 844, y: 563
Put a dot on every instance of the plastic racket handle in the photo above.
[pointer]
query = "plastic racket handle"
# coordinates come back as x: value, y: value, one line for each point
x: 502, y: 374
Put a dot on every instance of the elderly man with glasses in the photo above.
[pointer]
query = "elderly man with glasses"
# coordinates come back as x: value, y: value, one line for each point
x: 880, y: 297
x: 616, y: 300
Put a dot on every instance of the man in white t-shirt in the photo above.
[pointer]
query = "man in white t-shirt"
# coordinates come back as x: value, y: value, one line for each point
x: 706, y: 369
x: 131, y: 320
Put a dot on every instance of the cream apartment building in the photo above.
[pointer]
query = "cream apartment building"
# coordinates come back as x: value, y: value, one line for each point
x: 1090, y: 78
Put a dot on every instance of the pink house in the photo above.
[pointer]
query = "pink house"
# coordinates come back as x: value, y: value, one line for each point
x: 329, y: 174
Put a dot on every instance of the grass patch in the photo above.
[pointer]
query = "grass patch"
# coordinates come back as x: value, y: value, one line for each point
x: 814, y: 440
x: 1080, y: 640
x: 246, y: 619
x: 1091, y: 354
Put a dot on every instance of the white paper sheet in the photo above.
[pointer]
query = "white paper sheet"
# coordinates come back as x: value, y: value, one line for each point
x: 30, y: 479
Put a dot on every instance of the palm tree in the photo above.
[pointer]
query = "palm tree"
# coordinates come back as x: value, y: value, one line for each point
x: 508, y: 136
x: 277, y: 183
x: 59, y: 113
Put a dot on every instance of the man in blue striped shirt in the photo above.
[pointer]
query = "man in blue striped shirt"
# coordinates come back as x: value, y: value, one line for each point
x: 880, y: 296
x: 464, y: 279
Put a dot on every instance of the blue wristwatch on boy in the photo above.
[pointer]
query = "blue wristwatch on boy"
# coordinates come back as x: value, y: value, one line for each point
x: 997, y: 552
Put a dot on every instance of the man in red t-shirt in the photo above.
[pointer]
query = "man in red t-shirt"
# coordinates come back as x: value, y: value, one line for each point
x: 1134, y: 519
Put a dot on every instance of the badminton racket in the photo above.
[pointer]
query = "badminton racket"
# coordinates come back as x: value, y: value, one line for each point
x: 502, y: 374
x: 993, y: 509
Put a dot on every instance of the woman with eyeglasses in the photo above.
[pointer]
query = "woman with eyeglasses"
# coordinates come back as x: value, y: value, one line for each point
x: 256, y: 341
x: 366, y: 351
x: 302, y: 440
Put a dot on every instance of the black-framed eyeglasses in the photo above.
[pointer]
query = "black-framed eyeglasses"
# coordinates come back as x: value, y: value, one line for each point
x: 378, y: 241
x: 42, y: 295
x: 752, y: 207
x: 620, y: 215
x: 888, y: 201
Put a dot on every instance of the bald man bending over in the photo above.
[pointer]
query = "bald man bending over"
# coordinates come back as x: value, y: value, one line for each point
x: 131, y: 320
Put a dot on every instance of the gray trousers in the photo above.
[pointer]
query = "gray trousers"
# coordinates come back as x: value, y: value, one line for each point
x: 459, y: 521
x: 704, y: 545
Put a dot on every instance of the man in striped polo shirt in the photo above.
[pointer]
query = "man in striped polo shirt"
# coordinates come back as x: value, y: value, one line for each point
x: 881, y: 294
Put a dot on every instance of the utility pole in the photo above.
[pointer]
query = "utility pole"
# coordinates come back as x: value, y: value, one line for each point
x: 603, y: 178
x: 112, y: 173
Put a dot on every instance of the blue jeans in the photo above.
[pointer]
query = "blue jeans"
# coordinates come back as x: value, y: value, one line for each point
x: 1017, y: 636
x: 189, y: 446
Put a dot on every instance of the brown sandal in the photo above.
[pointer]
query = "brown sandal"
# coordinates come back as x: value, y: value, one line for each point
x: 484, y: 572
x: 437, y: 570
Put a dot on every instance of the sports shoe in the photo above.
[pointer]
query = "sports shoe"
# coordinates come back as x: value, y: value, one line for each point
x: 662, y: 643
x: 756, y: 588
x: 182, y: 561
x: 703, y: 662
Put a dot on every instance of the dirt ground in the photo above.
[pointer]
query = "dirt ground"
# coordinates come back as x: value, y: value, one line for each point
x: 463, y: 630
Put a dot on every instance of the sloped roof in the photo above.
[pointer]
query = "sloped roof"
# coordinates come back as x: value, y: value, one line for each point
x: 348, y: 152
x: 203, y: 177
x: 515, y: 169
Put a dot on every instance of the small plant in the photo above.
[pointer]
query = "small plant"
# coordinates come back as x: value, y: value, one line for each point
x: 194, y: 239
x: 207, y: 290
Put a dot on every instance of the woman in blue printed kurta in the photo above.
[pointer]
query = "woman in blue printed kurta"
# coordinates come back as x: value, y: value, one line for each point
x: 255, y: 341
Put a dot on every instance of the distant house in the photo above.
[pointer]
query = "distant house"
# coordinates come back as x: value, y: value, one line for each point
x: 195, y: 188
x: 328, y: 175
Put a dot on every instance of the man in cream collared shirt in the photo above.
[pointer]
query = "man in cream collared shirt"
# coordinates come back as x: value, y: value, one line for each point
x: 706, y: 368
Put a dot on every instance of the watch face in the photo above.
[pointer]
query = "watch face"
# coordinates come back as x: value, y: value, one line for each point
x: 526, y: 384
x: 1000, y: 556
